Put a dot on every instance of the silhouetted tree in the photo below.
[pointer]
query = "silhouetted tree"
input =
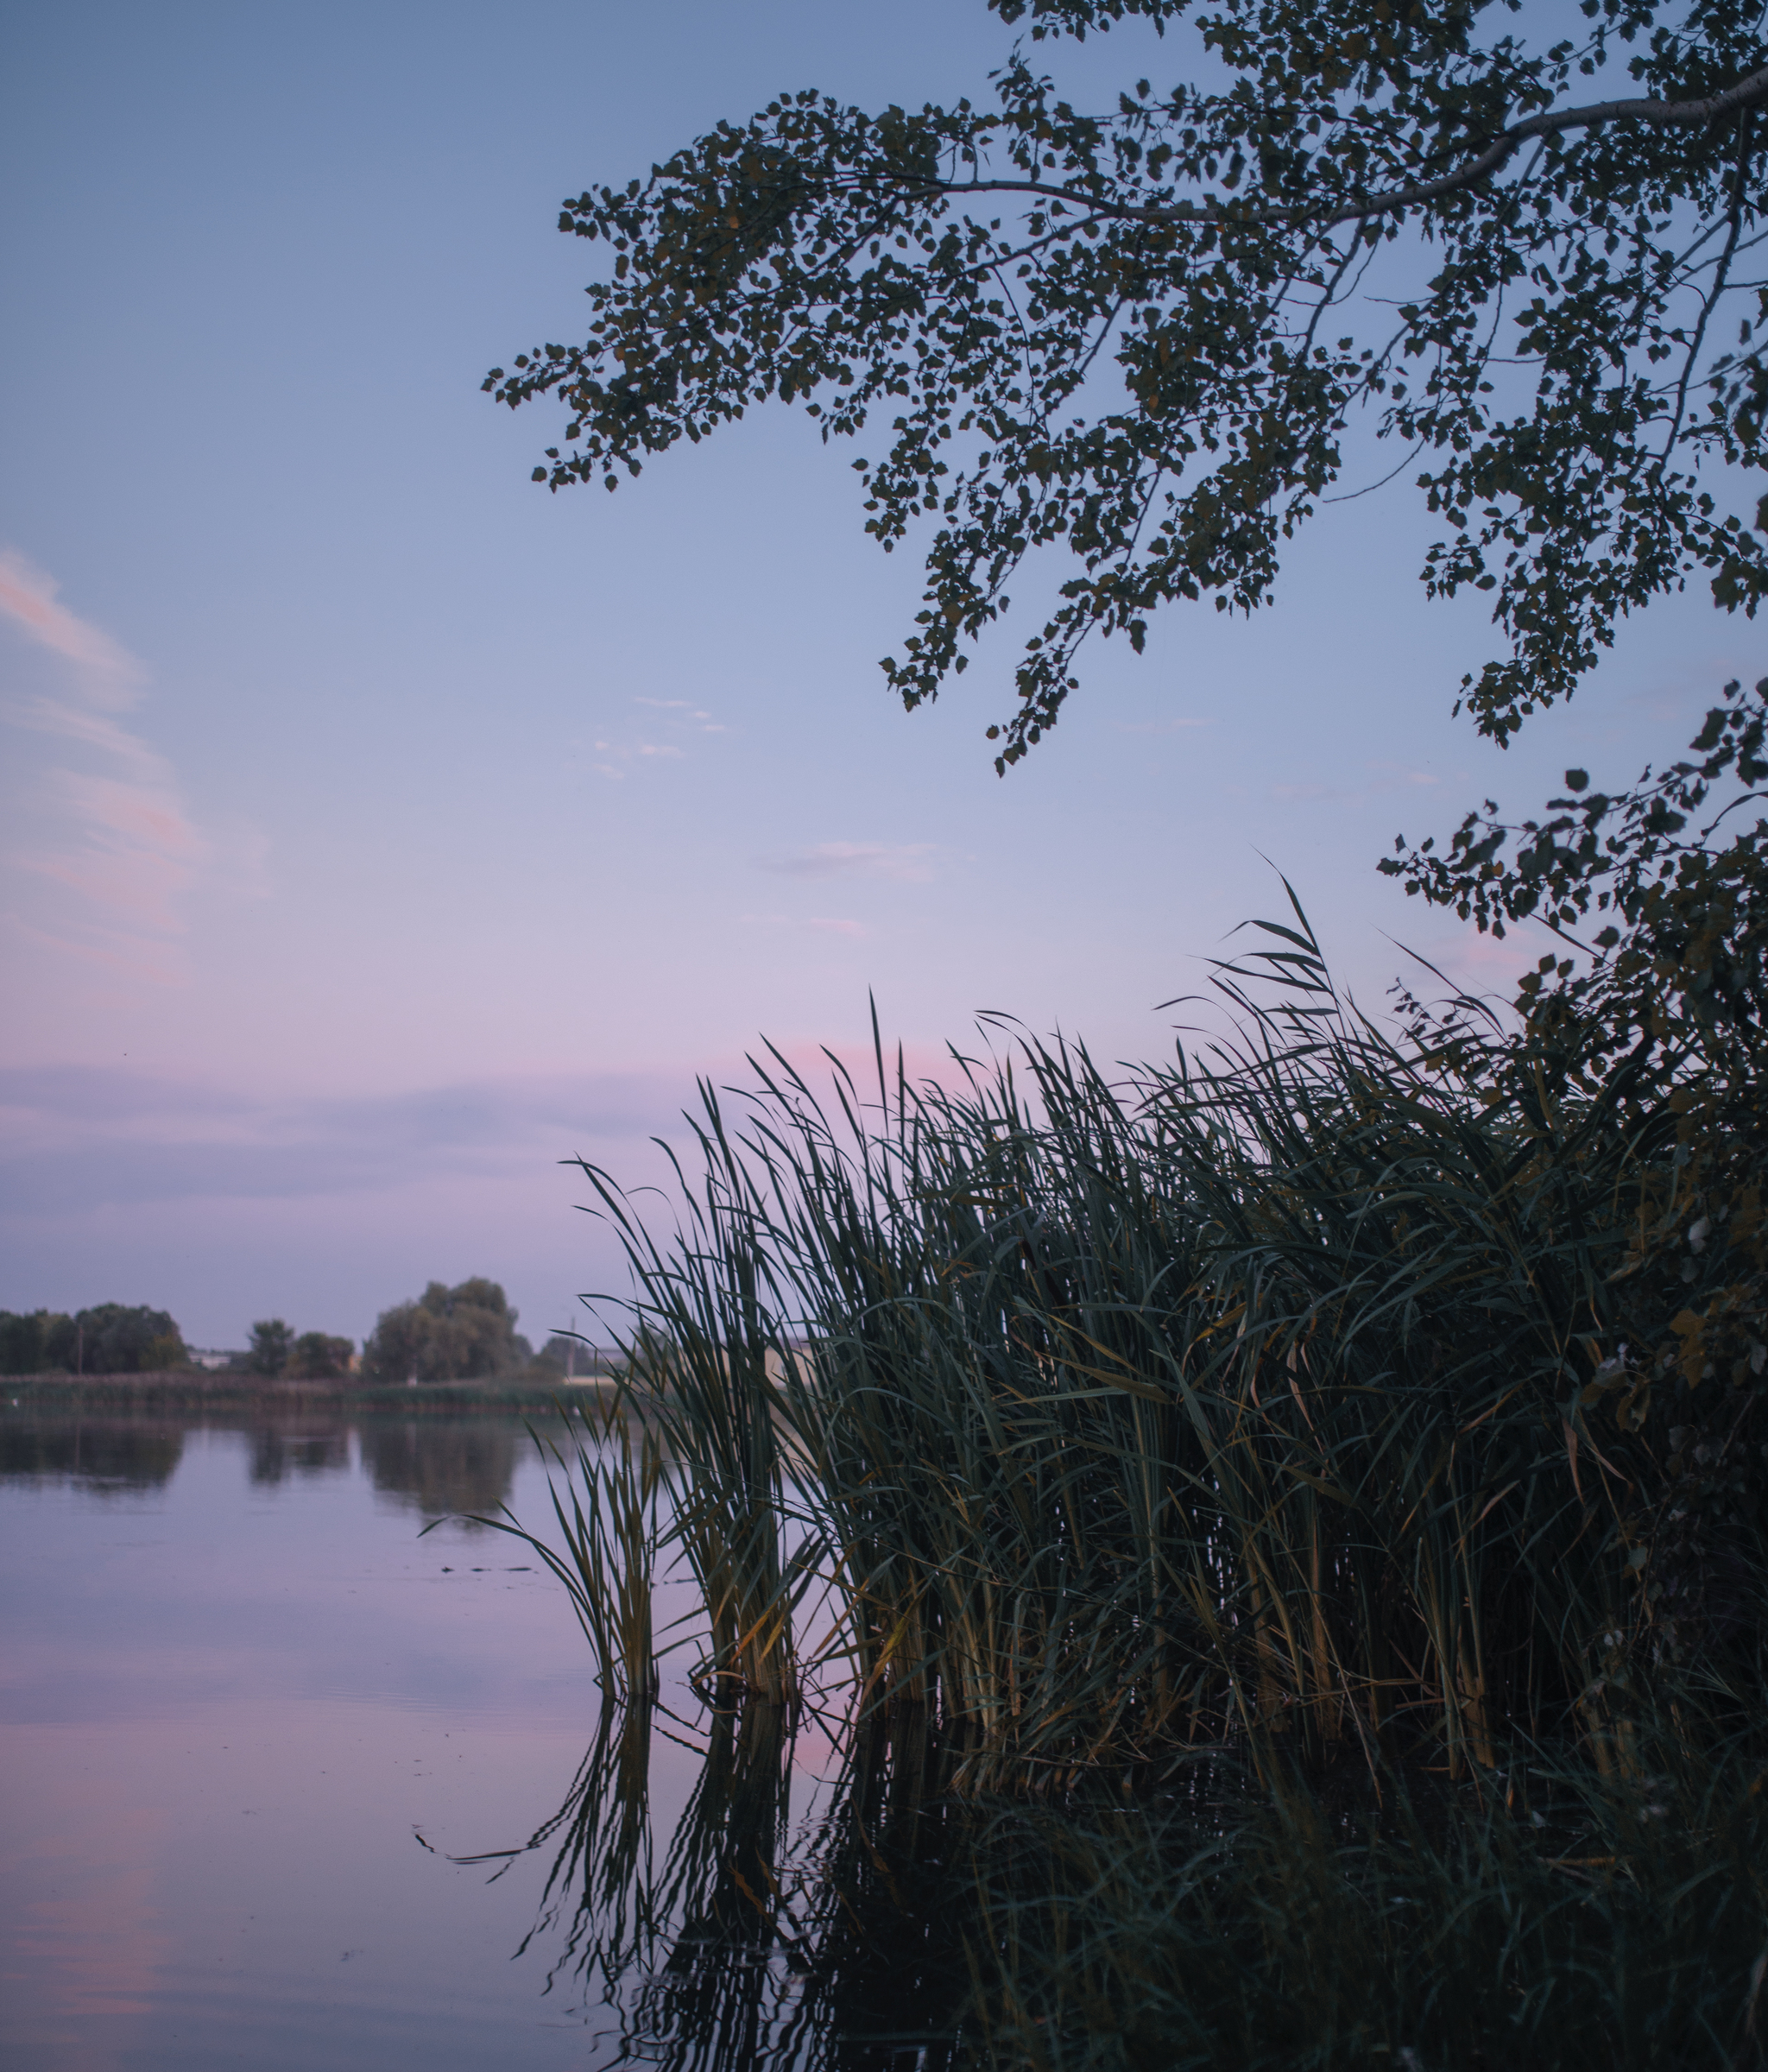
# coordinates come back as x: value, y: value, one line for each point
x: 271, y: 1341
x: 459, y: 1334
x: 111, y: 1339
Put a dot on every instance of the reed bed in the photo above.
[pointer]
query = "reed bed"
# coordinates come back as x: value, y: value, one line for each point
x: 1278, y: 1534
x: 1326, y: 1394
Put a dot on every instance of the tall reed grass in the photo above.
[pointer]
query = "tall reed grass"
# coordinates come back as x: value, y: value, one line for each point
x: 1283, y: 1530
x: 1296, y: 1396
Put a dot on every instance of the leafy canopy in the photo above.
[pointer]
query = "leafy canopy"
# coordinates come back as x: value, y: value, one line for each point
x: 112, y: 1338
x: 465, y: 1333
x: 1141, y: 334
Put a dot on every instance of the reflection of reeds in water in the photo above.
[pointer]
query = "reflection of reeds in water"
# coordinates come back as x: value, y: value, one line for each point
x: 599, y: 1891
x: 743, y: 1944
x: 1549, y: 1918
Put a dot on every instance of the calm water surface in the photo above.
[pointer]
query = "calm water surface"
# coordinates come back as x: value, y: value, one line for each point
x: 248, y: 1717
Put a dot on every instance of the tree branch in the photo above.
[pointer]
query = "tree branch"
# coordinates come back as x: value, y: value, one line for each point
x: 1746, y: 94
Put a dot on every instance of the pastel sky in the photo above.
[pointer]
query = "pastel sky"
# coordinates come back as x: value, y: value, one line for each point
x: 381, y: 831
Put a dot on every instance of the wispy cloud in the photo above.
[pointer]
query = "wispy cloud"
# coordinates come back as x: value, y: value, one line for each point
x: 119, y: 839
x: 92, y: 729
x: 1157, y: 726
x: 907, y: 861
x: 817, y: 923
x: 680, y: 719
x: 80, y: 1137
x: 28, y: 597
x: 682, y: 705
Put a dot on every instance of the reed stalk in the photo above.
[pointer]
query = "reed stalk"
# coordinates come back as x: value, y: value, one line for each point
x: 607, y: 1507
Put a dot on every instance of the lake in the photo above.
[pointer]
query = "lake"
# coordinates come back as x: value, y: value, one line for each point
x: 251, y: 1720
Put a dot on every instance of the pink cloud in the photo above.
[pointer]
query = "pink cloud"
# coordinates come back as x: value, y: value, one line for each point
x: 138, y: 854
x: 137, y: 816
x: 28, y: 598
x: 138, y: 857
x: 52, y: 716
x: 135, y: 888
x: 158, y: 963
x: 124, y: 844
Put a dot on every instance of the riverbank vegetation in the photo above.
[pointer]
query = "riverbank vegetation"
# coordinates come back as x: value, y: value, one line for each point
x: 1297, y: 1508
x: 305, y: 1357
x: 464, y: 1334
x: 197, y: 1391
x: 1372, y: 1388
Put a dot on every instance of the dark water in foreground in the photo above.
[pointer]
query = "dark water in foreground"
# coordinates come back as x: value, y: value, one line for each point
x: 247, y: 1716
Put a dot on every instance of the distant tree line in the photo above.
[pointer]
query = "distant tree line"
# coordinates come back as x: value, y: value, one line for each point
x: 111, y: 1339
x: 465, y: 1333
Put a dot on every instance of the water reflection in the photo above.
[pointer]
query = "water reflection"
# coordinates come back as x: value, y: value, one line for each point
x: 289, y: 1681
x: 440, y: 1466
x: 437, y: 1466
x: 834, y: 1949
x: 226, y: 1699
x: 112, y: 1455
x: 280, y: 1451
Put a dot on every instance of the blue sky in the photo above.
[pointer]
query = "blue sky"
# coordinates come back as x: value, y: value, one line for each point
x: 382, y: 830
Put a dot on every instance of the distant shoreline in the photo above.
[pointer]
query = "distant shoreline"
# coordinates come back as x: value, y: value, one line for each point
x: 197, y: 1389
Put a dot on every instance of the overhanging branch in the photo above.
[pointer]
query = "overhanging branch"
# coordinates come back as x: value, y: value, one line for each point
x: 1749, y: 92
